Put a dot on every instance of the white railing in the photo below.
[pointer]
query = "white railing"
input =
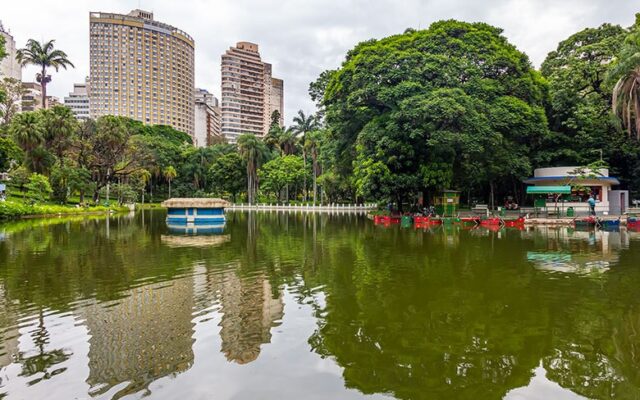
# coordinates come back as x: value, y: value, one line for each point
x: 333, y: 207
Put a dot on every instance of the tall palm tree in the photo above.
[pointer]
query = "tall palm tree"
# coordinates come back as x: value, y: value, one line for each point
x: 312, y: 145
x: 254, y: 152
x: 144, y: 176
x: 43, y: 55
x: 170, y: 174
x: 626, y: 92
x: 303, y: 125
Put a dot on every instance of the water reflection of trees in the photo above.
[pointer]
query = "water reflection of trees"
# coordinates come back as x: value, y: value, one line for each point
x: 433, y: 314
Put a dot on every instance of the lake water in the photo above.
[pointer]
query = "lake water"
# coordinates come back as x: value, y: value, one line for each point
x: 291, y: 306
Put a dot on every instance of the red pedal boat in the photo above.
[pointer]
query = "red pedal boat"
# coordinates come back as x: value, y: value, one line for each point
x: 495, y: 221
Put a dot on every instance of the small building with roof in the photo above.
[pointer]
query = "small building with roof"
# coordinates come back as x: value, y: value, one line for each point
x: 571, y: 187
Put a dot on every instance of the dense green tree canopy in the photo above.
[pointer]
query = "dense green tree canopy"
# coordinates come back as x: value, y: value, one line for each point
x: 580, y: 87
x: 424, y: 109
x: 228, y: 174
x: 579, y: 100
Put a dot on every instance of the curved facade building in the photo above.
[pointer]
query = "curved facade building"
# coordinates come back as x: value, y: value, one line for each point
x: 141, y: 69
x: 249, y: 92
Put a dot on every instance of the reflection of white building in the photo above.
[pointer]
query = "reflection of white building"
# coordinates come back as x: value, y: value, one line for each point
x: 582, y: 183
x: 572, y: 251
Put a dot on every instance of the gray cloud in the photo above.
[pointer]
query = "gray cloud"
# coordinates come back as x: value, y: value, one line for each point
x: 301, y: 38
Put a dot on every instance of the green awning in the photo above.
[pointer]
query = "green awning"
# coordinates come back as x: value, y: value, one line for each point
x: 549, y: 189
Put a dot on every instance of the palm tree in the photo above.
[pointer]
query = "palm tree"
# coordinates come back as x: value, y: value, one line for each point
x: 60, y: 125
x: 287, y: 141
x: 145, y: 176
x: 254, y: 152
x: 43, y: 56
x: 626, y: 92
x: 303, y: 125
x: 170, y: 174
x: 312, y: 145
x: 27, y: 131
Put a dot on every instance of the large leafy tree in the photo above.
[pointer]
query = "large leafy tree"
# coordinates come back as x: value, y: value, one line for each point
x: 45, y: 56
x: 254, y: 152
x: 113, y: 154
x: 425, y: 109
x: 626, y: 92
x: 582, y: 73
x: 280, y: 174
x: 579, y: 99
x: 227, y: 174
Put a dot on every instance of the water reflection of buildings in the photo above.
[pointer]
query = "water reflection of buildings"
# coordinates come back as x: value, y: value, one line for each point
x: 204, y: 241
x: 248, y: 306
x: 143, y: 336
x: 9, y: 335
x: 568, y: 250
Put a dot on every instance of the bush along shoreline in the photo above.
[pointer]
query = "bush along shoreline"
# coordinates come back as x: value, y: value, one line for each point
x: 14, y: 209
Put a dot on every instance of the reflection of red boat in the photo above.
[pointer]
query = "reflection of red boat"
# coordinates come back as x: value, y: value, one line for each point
x: 585, y: 222
x: 385, y: 220
x: 491, y: 222
x: 494, y: 228
x: 514, y: 222
x: 470, y: 220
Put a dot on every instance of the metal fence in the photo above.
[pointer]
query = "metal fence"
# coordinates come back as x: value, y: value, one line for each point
x: 305, y: 207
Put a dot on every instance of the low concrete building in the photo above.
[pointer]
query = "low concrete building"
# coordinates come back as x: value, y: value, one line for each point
x: 582, y: 182
x: 32, y: 96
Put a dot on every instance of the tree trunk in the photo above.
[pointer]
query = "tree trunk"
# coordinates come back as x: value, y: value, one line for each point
x: 249, y: 184
x: 304, y: 168
x: 43, y: 83
x: 491, y: 198
x: 169, y: 188
x: 315, y: 188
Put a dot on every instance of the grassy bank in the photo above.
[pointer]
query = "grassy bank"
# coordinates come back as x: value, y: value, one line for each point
x: 17, y: 209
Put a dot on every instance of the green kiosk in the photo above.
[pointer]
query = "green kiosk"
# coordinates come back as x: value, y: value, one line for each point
x: 447, y: 203
x: 546, y: 195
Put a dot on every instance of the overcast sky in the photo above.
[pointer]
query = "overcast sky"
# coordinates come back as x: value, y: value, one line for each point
x: 304, y: 37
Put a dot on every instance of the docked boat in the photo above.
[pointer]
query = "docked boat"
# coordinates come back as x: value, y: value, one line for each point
x: 587, y: 222
x: 201, y: 213
x: 518, y: 222
x: 633, y: 222
x: 609, y: 223
x: 493, y: 221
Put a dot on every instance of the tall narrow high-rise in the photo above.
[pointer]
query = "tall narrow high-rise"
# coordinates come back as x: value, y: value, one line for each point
x: 142, y: 69
x: 9, y: 66
x: 248, y: 93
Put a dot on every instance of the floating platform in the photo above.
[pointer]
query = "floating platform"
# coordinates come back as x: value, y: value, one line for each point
x: 201, y: 213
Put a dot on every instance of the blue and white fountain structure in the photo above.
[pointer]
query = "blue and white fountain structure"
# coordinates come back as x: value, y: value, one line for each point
x: 200, y: 215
